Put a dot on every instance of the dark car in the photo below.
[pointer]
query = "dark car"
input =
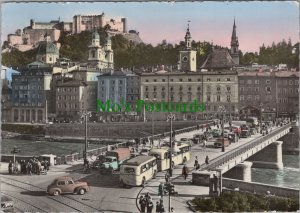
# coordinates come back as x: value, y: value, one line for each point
x: 7, y: 204
x: 245, y: 134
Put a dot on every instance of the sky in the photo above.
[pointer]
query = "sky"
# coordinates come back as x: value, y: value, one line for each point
x: 257, y: 22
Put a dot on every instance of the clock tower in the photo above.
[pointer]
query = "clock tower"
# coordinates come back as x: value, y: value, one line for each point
x: 187, y: 59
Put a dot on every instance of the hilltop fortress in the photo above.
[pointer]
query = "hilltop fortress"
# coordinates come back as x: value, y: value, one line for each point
x: 32, y: 35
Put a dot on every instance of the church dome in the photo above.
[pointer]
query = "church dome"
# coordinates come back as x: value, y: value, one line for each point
x: 47, y: 48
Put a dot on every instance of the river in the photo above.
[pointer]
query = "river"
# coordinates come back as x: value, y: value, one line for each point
x: 288, y: 177
x: 31, y: 148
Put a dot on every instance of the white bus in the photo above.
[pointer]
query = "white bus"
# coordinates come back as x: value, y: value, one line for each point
x: 137, y: 171
x: 180, y: 151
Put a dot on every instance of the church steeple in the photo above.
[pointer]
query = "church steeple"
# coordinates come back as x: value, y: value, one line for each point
x: 234, y: 51
x: 188, y: 38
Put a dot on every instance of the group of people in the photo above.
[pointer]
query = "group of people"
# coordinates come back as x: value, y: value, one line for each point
x: 33, y: 166
x: 146, y: 204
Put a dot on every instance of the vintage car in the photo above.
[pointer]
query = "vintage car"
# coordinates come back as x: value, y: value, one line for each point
x: 66, y: 185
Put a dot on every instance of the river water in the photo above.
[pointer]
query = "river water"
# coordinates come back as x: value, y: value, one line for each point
x: 288, y: 177
x: 31, y: 148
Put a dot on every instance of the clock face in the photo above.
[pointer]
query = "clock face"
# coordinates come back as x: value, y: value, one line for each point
x: 185, y: 59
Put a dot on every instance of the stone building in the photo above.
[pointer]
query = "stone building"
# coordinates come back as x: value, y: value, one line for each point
x: 89, y: 22
x: 71, y: 100
x: 29, y: 89
x: 100, y: 57
x: 269, y: 94
x: 117, y: 87
x: 6, y: 103
x: 47, y: 52
x: 213, y: 88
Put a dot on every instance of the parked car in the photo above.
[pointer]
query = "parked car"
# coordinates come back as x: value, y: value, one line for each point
x: 219, y: 142
x: 66, y: 185
x: 197, y: 138
x: 7, y: 204
x: 245, y: 134
x: 98, y: 162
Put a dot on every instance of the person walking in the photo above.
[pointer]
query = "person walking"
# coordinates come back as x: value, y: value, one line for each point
x: 161, y: 206
x: 157, y: 207
x: 197, y: 166
x: 142, y: 203
x: 10, y: 167
x: 196, y: 161
x: 206, y: 160
x: 204, y: 143
x: 185, y: 171
x: 167, y: 177
x: 161, y: 190
x: 150, y: 206
x: 172, y: 209
x: 148, y: 198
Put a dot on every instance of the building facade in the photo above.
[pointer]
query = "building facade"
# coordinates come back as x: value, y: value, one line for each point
x: 100, y: 57
x: 71, y: 100
x: 29, y: 87
x: 269, y: 94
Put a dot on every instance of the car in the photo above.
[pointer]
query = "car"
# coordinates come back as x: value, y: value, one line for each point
x: 197, y: 138
x: 187, y: 141
x: 66, y: 185
x: 219, y: 142
x: 145, y: 150
x: 7, y: 204
x: 216, y: 133
x: 245, y: 134
x: 98, y: 162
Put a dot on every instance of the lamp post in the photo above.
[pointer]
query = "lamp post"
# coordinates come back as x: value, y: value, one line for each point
x: 222, y: 110
x: 152, y: 114
x: 170, y: 118
x: 85, y: 115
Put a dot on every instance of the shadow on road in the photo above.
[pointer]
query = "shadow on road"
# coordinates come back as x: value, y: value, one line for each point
x: 35, y: 193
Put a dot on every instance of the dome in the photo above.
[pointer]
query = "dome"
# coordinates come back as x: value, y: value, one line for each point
x: 46, y: 48
x: 96, y: 35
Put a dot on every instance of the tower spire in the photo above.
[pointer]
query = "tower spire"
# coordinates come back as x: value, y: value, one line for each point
x: 188, y: 37
x: 234, y: 45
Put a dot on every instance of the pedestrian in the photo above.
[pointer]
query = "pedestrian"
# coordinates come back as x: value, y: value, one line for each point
x: 167, y: 177
x: 161, y: 190
x: 10, y: 167
x: 161, y: 206
x: 39, y: 167
x: 197, y: 166
x: 148, y: 198
x: 204, y: 143
x: 142, y: 203
x: 196, y: 161
x: 184, y: 160
x: 150, y: 206
x: 185, y: 171
x: 157, y: 208
x: 206, y: 160
x: 172, y: 209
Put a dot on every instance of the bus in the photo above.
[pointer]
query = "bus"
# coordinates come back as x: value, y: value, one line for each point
x: 137, y: 171
x: 179, y: 151
x: 252, y: 121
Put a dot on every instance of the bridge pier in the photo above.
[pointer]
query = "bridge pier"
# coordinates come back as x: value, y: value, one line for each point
x: 241, y: 171
x: 270, y: 157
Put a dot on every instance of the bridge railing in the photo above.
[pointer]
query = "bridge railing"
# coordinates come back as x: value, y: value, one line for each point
x: 244, y: 148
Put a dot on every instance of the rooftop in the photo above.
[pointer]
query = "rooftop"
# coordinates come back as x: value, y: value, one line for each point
x: 138, y: 160
x: 218, y: 59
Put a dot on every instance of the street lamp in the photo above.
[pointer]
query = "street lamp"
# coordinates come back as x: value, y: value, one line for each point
x: 222, y: 110
x: 85, y: 115
x: 170, y: 118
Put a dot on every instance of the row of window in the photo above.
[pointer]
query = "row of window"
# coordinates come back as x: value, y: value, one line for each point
x: 189, y: 97
x: 24, y: 79
x: 67, y: 106
x: 28, y: 95
x: 66, y: 97
x: 218, y: 88
x: 216, y: 108
x: 268, y: 89
x: 29, y: 104
x: 268, y: 81
x: 69, y: 89
x: 188, y: 80
x: 26, y: 87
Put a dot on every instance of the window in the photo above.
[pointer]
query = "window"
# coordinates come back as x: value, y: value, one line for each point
x: 296, y: 82
x: 241, y: 89
x: 208, y: 98
x: 268, y: 81
x: 242, y: 98
x: 163, y: 95
x: 249, y: 97
x: 228, y: 79
x: 163, y: 88
x: 208, y: 79
x: 154, y: 80
x: 147, y: 80
x: 61, y: 183
x: 171, y: 79
x: 171, y: 88
x: 180, y: 88
x: 218, y: 79
x: 172, y: 98
x: 198, y: 88
x: 268, y: 89
x: 180, y: 98
x: 146, y: 88
x: 154, y: 95
x: 228, y: 98
x: 189, y: 79
x: 189, y: 88
x: 257, y: 98
x: 228, y: 89
x: 121, y: 82
x: 249, y: 81
x: 180, y: 79
x: 218, y: 88
x: 154, y: 88
x: 218, y: 98
x: 242, y: 81
x: 256, y: 81
x: 113, y: 82
x: 189, y: 97
x: 199, y: 79
x: 208, y: 88
x: 256, y: 89
x: 290, y: 82
x: 163, y: 80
